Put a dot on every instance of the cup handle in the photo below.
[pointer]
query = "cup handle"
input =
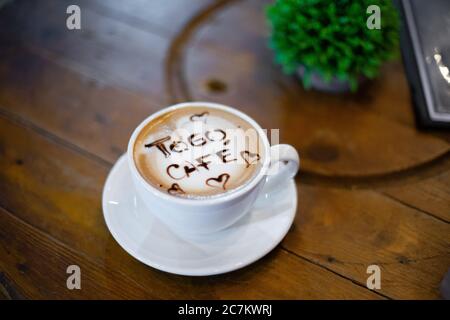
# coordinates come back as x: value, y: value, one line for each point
x: 284, y: 164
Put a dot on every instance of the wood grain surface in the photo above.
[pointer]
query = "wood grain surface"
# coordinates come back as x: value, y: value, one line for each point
x: 372, y: 189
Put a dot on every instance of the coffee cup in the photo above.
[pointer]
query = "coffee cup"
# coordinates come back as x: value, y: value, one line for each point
x: 191, y: 168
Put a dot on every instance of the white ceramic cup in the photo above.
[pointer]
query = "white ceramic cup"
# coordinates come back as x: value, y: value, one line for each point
x: 202, y: 216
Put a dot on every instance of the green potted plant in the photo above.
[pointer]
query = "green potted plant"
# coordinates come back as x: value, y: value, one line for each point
x: 328, y: 43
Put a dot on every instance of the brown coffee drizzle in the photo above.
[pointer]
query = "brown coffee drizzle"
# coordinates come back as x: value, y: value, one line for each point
x: 160, y: 145
x: 174, y: 146
x: 198, y: 116
x: 189, y: 168
x: 175, y: 189
x: 176, y: 166
x: 249, y: 157
x: 198, y: 142
x: 219, y: 182
x: 202, y: 163
x: 208, y: 135
x: 223, y: 154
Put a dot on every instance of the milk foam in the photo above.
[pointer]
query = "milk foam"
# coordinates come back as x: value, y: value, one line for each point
x: 198, y: 152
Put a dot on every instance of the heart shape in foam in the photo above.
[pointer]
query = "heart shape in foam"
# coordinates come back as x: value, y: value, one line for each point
x: 175, y: 189
x: 219, y: 182
x: 249, y: 157
x: 200, y: 116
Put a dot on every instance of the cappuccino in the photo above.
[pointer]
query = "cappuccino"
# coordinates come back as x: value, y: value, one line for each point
x: 198, y: 152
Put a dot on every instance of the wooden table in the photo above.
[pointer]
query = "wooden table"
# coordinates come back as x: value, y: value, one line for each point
x: 372, y: 188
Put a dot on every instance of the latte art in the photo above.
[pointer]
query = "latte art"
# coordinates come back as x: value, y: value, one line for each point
x: 198, y: 152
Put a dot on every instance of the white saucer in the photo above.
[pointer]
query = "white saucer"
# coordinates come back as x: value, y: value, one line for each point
x: 150, y: 241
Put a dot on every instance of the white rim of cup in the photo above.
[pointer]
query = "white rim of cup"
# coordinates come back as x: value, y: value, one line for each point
x: 203, y: 201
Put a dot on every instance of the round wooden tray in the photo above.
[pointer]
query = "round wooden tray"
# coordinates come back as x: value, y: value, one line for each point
x: 222, y: 55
